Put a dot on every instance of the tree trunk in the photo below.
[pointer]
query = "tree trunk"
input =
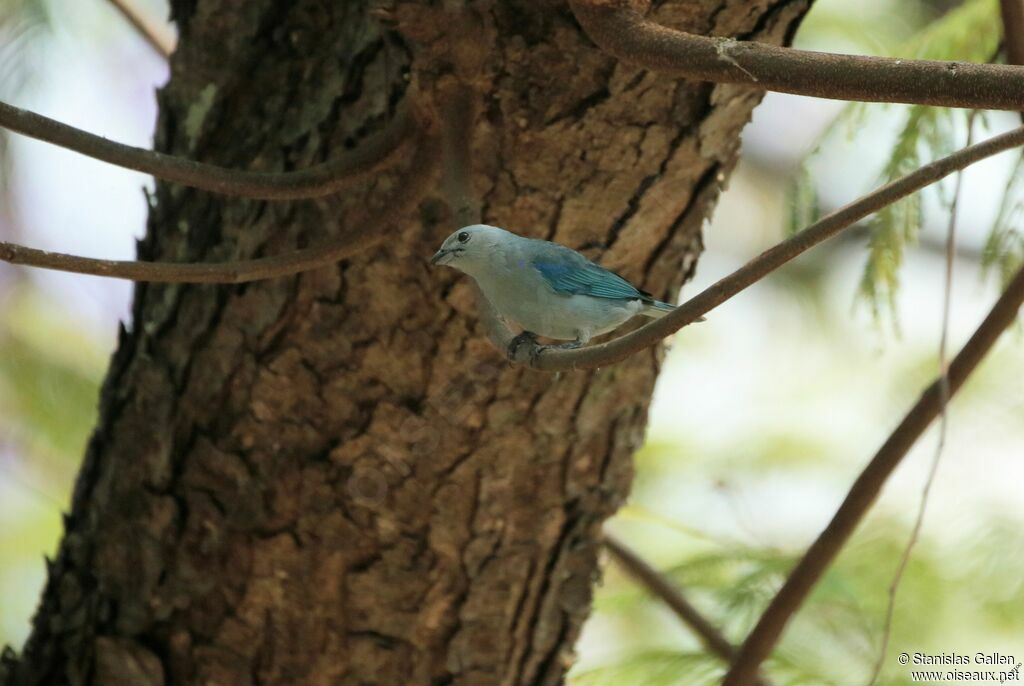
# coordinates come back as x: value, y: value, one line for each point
x: 333, y: 479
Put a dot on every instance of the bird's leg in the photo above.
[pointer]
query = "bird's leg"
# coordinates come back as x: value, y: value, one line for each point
x: 582, y: 338
x: 513, y: 345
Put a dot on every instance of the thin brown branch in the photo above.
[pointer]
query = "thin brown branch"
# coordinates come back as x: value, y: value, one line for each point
x: 160, y: 41
x: 407, y: 194
x: 668, y: 593
x: 762, y: 265
x: 620, y: 29
x: 915, y: 532
x: 1013, y: 30
x: 865, y: 489
x: 317, y: 181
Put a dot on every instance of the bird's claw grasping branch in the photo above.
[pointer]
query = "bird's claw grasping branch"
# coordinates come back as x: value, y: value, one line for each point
x: 544, y: 359
x: 650, y: 334
x: 525, y: 338
x: 620, y: 29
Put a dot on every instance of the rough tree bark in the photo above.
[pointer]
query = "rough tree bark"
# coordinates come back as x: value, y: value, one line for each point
x: 333, y: 479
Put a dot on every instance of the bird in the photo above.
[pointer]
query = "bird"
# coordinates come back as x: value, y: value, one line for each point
x: 545, y: 288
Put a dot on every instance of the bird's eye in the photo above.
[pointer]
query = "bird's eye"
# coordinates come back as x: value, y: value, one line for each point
x: 463, y: 237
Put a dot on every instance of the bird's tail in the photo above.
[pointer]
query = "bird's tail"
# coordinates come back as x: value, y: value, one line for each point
x: 656, y: 309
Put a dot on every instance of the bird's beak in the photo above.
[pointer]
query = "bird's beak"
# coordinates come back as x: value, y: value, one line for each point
x: 438, y: 256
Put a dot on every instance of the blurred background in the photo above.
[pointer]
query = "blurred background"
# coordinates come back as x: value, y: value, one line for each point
x: 800, y: 378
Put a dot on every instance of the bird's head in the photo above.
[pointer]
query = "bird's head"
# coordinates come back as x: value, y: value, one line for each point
x: 471, y: 247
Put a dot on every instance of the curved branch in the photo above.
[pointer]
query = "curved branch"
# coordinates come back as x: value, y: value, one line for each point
x: 621, y: 30
x: 762, y: 265
x: 661, y: 587
x: 414, y: 186
x: 157, y: 40
x: 801, y: 580
x: 317, y: 181
x: 940, y: 445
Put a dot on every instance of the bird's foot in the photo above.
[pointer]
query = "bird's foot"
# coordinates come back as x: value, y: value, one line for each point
x: 571, y: 345
x: 524, y: 337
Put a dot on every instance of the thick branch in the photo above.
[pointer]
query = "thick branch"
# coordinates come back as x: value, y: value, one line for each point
x: 317, y: 181
x: 764, y: 264
x: 621, y: 30
x: 407, y: 194
x: 661, y: 587
x: 801, y: 580
x: 156, y: 39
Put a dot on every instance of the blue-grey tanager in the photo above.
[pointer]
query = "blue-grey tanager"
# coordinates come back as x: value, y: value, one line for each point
x: 545, y: 288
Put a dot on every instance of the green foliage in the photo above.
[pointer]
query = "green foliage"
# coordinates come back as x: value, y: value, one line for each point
x: 49, y: 380
x: 971, y: 32
x: 47, y: 402
x: 832, y: 25
x: 992, y: 588
x: 741, y: 580
x: 657, y: 668
x: 802, y: 201
x: 22, y: 24
x: 897, y: 224
x: 961, y: 589
x: 32, y: 524
x: 1004, y: 249
x: 973, y: 578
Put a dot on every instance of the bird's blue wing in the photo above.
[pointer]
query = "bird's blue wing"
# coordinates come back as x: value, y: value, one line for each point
x: 569, y: 273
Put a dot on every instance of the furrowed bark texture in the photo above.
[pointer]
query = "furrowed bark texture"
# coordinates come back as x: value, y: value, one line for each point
x: 333, y: 479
